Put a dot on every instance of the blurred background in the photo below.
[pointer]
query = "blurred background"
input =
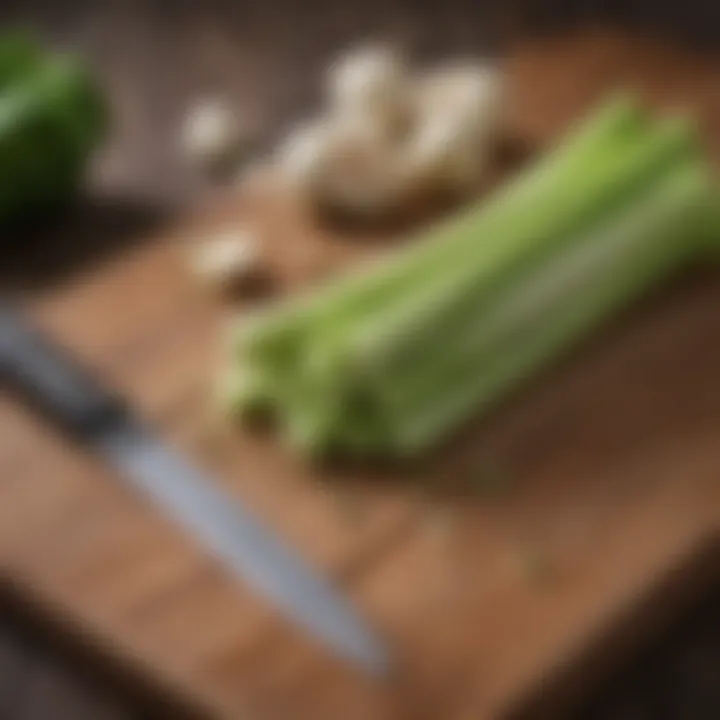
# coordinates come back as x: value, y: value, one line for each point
x: 157, y: 57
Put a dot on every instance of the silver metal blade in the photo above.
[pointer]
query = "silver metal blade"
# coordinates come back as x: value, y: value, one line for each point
x: 244, y: 544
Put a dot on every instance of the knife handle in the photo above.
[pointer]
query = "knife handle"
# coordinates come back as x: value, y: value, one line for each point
x: 46, y: 376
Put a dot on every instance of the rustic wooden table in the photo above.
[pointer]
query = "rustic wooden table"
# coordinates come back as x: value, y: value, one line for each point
x: 157, y: 58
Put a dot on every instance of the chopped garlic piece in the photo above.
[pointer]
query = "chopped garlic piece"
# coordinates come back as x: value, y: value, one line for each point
x: 370, y: 80
x: 229, y: 259
x: 447, y: 154
x: 468, y: 89
x: 362, y: 173
x: 303, y: 155
x: 213, y: 134
x: 387, y: 140
x: 344, y: 162
x: 457, y: 115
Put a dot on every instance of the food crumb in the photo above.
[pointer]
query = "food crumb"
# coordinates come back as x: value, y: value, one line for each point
x: 230, y: 260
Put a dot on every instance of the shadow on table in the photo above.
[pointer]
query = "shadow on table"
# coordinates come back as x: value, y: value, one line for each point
x: 675, y: 678
x: 49, y: 669
x: 89, y: 232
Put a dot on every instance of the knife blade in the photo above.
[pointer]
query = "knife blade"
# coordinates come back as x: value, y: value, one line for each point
x: 45, y: 375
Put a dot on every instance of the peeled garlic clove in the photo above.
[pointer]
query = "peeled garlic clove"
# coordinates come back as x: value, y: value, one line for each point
x: 212, y: 134
x: 470, y: 90
x: 456, y: 117
x: 228, y: 260
x: 439, y: 155
x: 363, y: 175
x: 372, y: 79
x: 304, y: 154
x: 428, y: 150
x: 341, y: 162
x: 462, y: 153
x: 468, y: 96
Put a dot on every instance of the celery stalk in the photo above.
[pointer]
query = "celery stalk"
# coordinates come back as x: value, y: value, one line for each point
x: 380, y: 353
x: 572, y: 295
x: 418, y: 321
x: 389, y: 360
x: 275, y: 333
x: 611, y: 133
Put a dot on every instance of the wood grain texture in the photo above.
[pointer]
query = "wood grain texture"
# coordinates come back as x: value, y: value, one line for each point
x: 613, y: 460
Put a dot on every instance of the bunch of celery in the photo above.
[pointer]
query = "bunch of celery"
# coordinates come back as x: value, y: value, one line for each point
x: 390, y: 360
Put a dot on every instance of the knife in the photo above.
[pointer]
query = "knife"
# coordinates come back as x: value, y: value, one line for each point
x: 46, y: 376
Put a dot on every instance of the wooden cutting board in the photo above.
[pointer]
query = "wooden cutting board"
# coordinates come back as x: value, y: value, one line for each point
x: 506, y: 576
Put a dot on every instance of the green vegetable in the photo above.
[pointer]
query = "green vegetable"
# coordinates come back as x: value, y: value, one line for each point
x: 279, y: 336
x: 394, y: 347
x: 281, y: 341
x: 424, y: 317
x: 391, y: 360
x: 52, y: 116
x: 19, y: 54
x: 559, y: 306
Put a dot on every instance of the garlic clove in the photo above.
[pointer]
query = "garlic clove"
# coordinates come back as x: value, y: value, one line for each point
x: 431, y: 144
x: 451, y: 153
x: 469, y: 89
x: 304, y: 154
x: 456, y: 117
x: 371, y: 80
x: 231, y: 259
x: 356, y: 160
x: 212, y: 134
x: 342, y: 162
x: 363, y: 175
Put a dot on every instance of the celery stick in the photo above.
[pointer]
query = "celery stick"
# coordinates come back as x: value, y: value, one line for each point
x: 493, y: 314
x: 244, y: 391
x: 519, y: 306
x: 615, y: 128
x: 327, y: 370
x: 275, y: 333
x: 417, y: 322
x: 360, y: 428
x: 590, y: 282
x: 610, y: 134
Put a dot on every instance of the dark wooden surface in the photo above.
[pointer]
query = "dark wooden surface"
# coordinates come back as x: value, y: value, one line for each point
x: 157, y: 56
x: 44, y: 677
x: 47, y: 672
